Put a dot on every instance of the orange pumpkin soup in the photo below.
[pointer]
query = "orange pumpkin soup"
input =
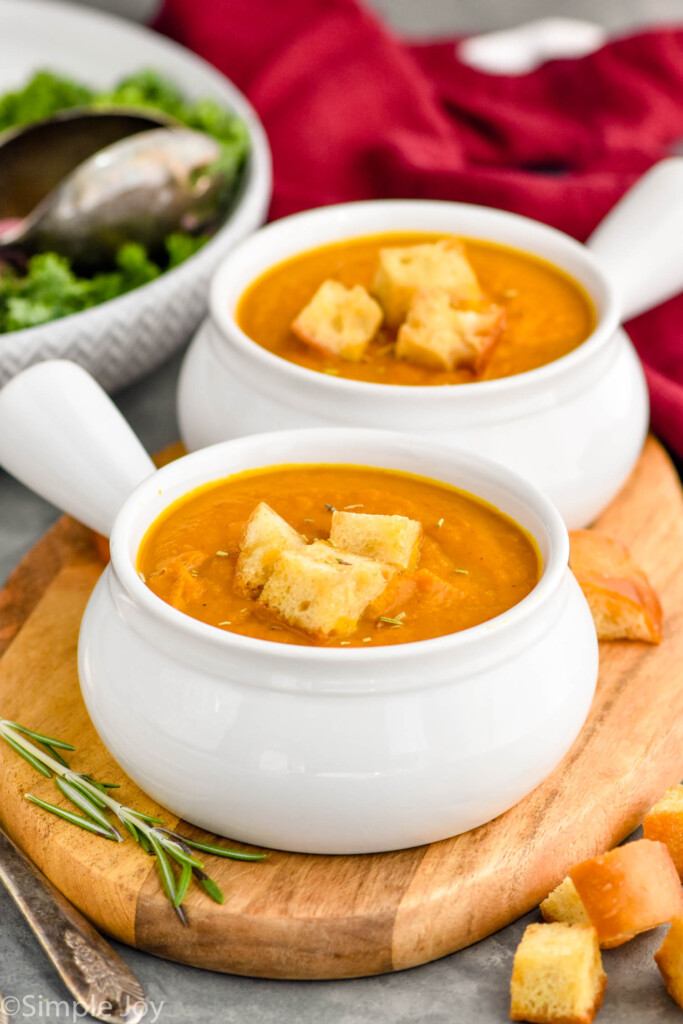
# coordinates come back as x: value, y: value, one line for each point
x: 547, y: 314
x: 471, y: 561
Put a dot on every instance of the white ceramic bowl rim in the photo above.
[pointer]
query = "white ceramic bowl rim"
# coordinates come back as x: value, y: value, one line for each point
x: 607, y: 322
x: 551, y: 578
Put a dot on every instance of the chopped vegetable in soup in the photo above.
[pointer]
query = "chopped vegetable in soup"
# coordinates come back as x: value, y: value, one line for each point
x: 454, y: 311
x: 337, y: 556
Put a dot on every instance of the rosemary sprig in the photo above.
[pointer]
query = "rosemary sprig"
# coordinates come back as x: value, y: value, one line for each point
x: 174, y: 854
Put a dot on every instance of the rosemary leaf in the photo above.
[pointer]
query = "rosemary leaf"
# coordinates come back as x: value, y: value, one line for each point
x: 213, y: 889
x: 165, y: 870
x: 103, y: 786
x: 39, y: 736
x: 74, y: 819
x: 175, y: 851
x: 147, y: 817
x: 183, y: 885
x: 180, y: 911
x: 145, y: 844
x: 133, y: 831
x: 222, y: 851
x: 77, y: 780
x: 33, y: 761
x: 85, y: 804
x: 56, y: 755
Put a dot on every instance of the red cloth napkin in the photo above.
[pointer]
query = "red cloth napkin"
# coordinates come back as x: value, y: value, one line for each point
x: 352, y: 112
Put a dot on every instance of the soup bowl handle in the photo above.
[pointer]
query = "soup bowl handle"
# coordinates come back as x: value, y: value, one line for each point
x: 63, y: 437
x: 640, y: 242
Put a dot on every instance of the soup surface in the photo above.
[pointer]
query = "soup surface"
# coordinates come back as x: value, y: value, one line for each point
x: 475, y: 562
x: 547, y: 313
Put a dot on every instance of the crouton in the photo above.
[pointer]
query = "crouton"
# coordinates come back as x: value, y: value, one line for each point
x: 393, y: 539
x: 557, y: 975
x: 328, y: 551
x: 664, y: 824
x: 564, y: 904
x: 266, y: 535
x: 444, y: 338
x: 629, y: 890
x: 669, y: 960
x: 621, y: 599
x: 403, y: 270
x: 341, y: 321
x: 323, y: 594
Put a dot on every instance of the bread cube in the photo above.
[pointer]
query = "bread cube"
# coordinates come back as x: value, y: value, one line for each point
x: 338, y: 320
x: 324, y: 551
x: 404, y: 270
x: 669, y: 960
x: 564, y: 904
x: 266, y: 535
x: 393, y: 539
x: 557, y: 975
x: 622, y: 601
x: 664, y: 824
x: 323, y: 595
x: 439, y: 336
x: 629, y: 890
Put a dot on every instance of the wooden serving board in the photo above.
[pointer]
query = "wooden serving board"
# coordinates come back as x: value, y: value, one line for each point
x: 296, y: 916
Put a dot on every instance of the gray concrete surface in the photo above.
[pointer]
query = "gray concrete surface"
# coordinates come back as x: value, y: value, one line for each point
x: 470, y: 987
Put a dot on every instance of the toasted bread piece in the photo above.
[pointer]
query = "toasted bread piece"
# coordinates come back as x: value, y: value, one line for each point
x: 323, y: 595
x: 393, y: 539
x: 629, y: 890
x: 341, y: 321
x: 664, y: 824
x: 621, y: 599
x: 564, y: 904
x: 404, y: 270
x: 437, y: 335
x: 266, y: 535
x: 669, y: 960
x: 328, y: 551
x: 557, y: 975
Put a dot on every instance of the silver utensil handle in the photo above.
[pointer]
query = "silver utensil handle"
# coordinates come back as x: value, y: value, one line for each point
x: 96, y: 976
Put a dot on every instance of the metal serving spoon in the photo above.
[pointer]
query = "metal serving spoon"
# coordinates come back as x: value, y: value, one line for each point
x: 36, y: 157
x: 95, y: 975
x: 140, y: 188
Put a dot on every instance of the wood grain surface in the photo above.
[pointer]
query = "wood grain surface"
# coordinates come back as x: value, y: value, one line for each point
x: 298, y: 916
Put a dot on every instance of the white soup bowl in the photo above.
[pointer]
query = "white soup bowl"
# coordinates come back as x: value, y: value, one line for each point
x: 574, y: 427
x: 320, y: 750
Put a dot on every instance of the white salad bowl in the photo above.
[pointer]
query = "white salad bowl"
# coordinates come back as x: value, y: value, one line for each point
x: 574, y: 427
x: 319, y: 750
x: 121, y: 340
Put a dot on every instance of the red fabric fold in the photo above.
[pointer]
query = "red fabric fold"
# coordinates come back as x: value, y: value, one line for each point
x: 352, y: 112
